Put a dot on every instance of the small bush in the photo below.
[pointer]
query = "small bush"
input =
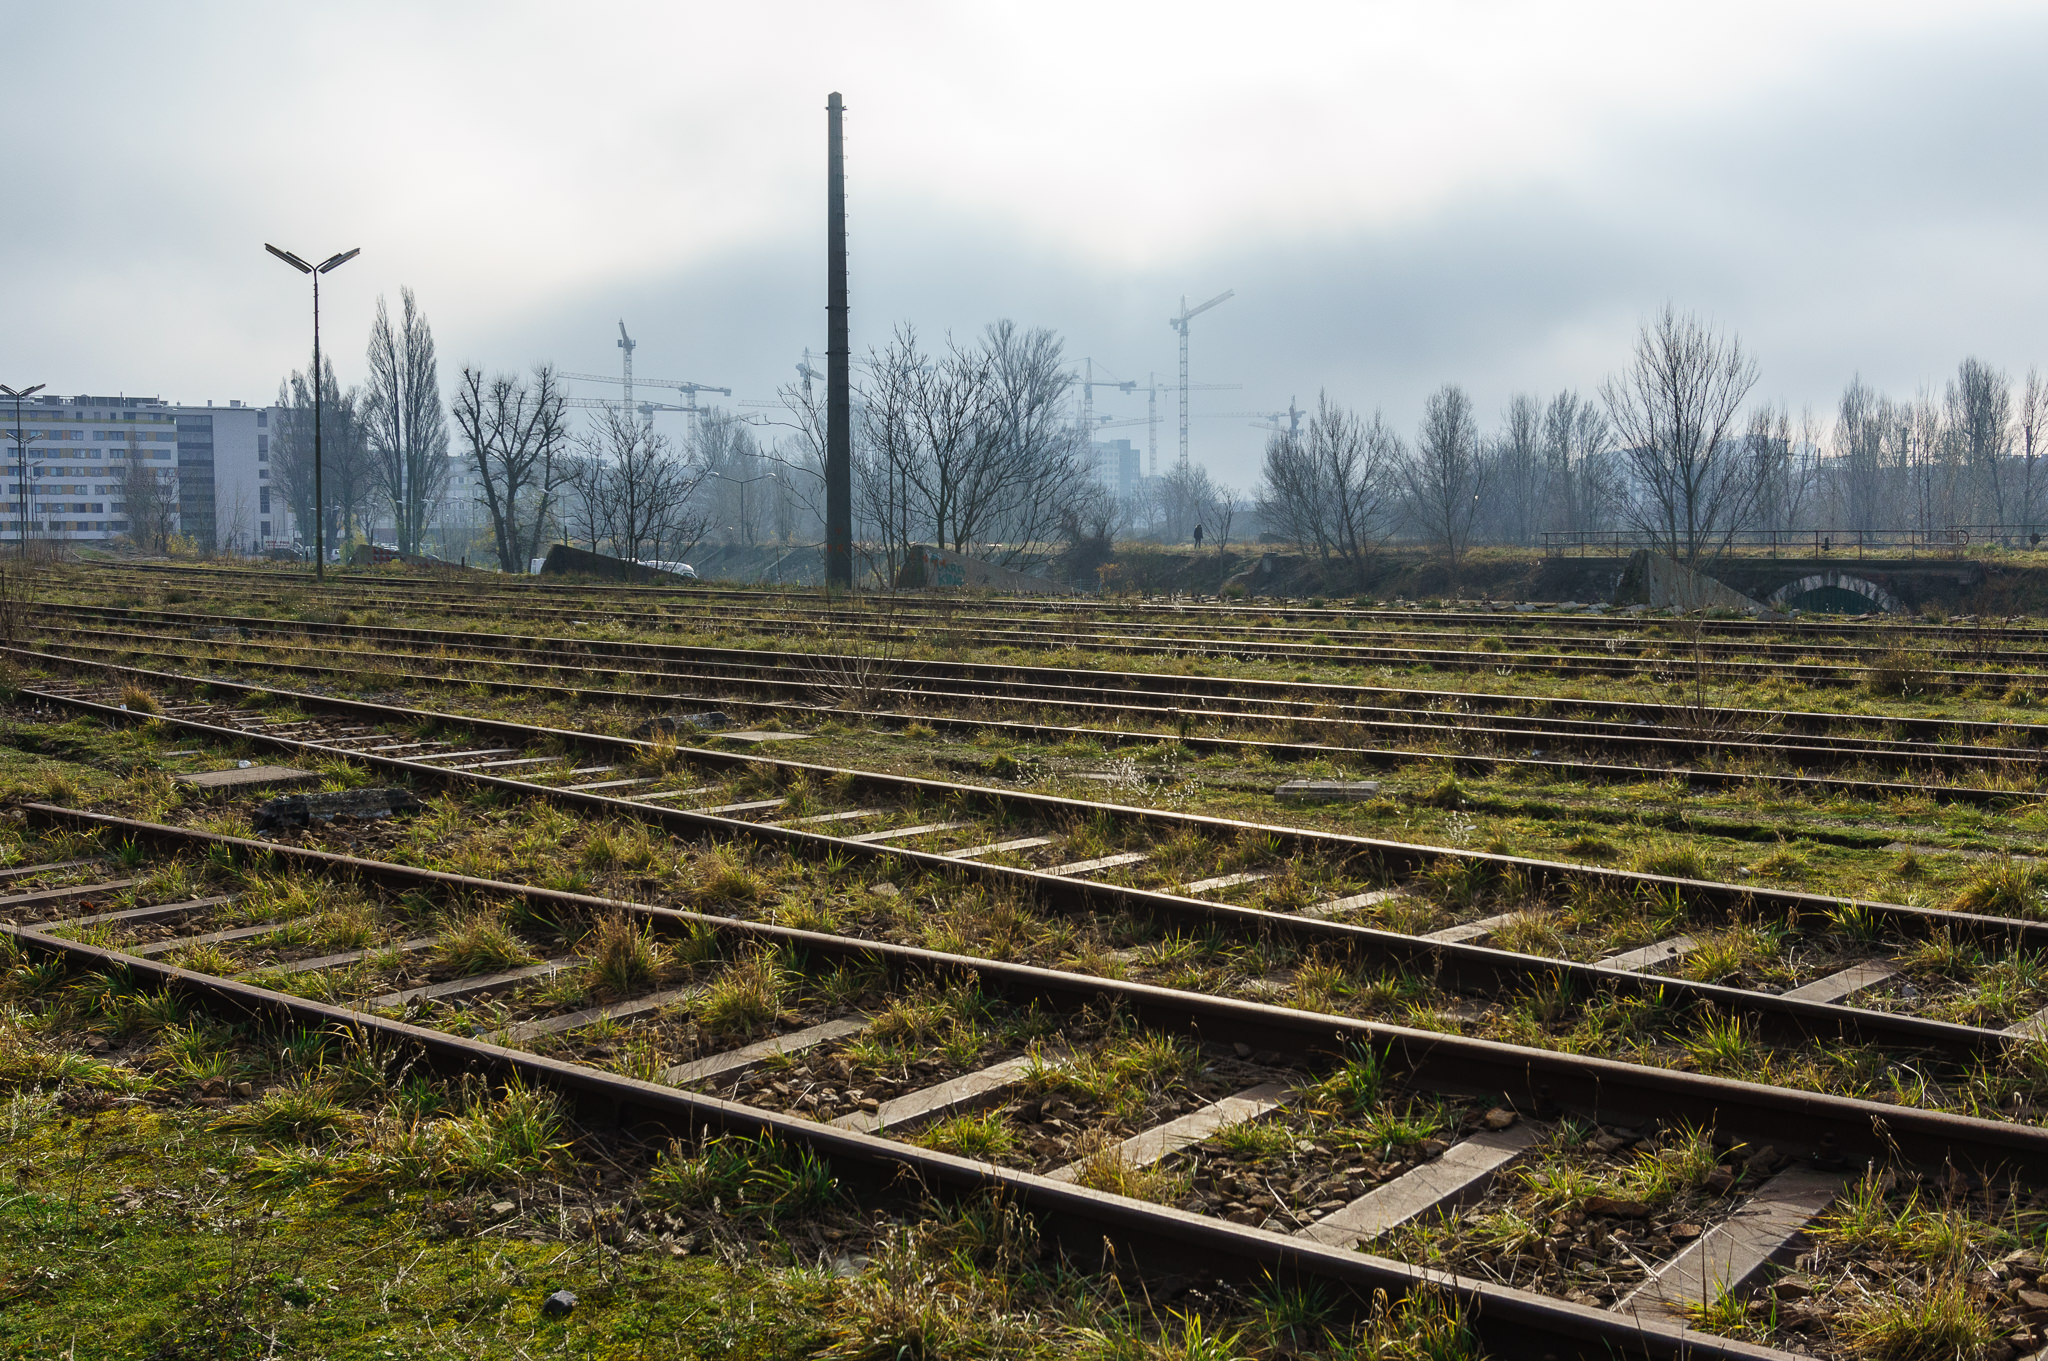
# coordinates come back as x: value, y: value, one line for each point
x: 2005, y: 888
x: 1897, y: 671
x: 734, y: 1175
x: 481, y: 942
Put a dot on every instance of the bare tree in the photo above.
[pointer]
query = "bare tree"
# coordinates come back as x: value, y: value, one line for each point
x: 971, y: 448
x: 1577, y: 454
x: 1978, y: 408
x: 1513, y: 513
x: 2032, y: 424
x: 149, y: 499
x: 347, y: 483
x: 1330, y: 488
x: 407, y: 430
x: 1675, y: 411
x: 1447, y: 473
x: 636, y: 491
x: 518, y: 443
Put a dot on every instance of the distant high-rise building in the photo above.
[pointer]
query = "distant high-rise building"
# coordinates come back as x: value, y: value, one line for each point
x: 1117, y: 465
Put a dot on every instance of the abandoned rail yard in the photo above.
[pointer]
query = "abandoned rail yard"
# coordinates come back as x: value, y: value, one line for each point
x: 1364, y: 686
x: 1000, y: 973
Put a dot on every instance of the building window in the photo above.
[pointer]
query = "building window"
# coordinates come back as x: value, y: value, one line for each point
x: 263, y: 448
x: 265, y: 529
x: 263, y: 498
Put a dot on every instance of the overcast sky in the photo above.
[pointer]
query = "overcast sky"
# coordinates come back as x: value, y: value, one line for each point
x: 1401, y: 195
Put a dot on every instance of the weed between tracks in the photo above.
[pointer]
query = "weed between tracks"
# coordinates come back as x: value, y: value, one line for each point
x: 197, y: 1189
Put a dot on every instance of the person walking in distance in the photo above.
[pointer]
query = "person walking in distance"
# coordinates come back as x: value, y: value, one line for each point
x: 1198, y: 537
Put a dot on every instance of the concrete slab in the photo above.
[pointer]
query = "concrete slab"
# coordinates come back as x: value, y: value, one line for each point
x: 42, y: 896
x: 903, y: 833
x: 1459, y: 1174
x: 758, y: 805
x: 157, y: 913
x: 2035, y: 1027
x: 507, y: 765
x: 469, y: 987
x: 969, y: 1091
x: 1321, y: 791
x: 749, y: 735
x: 244, y: 777
x: 1729, y: 1255
x: 1223, y: 881
x: 1853, y: 979
x: 652, y: 795
x: 1355, y: 901
x: 336, y: 961
x: 1650, y: 956
x: 735, y: 1061
x: 555, y: 1025
x: 47, y: 867
x: 1107, y: 862
x: 818, y: 819
x: 1476, y: 930
x: 1022, y: 843
x: 610, y: 784
x: 164, y: 947
x: 1148, y: 1146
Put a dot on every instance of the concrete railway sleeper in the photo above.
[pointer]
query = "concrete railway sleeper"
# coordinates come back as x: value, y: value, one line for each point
x: 1392, y: 857
x: 1452, y: 959
x: 1257, y: 1064
x: 1307, y: 698
x: 1990, y: 793
x: 1180, y: 610
x: 1290, y: 643
x: 797, y: 681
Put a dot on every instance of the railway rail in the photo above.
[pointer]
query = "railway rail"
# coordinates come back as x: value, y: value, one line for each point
x: 1260, y: 1064
x: 1885, y: 631
x: 1023, y: 842
x: 2002, y: 774
x: 1746, y: 659
x: 1161, y: 695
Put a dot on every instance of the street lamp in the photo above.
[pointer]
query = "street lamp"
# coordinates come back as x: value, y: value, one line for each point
x: 745, y: 527
x: 332, y: 262
x: 21, y: 455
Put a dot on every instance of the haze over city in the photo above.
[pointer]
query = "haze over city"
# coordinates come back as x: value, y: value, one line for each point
x: 1491, y: 195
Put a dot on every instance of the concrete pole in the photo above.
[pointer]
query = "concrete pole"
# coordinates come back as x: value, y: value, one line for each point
x: 838, y: 380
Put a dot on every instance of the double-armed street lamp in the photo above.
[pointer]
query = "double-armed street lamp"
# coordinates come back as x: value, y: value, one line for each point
x: 746, y: 529
x: 21, y: 456
x: 331, y: 263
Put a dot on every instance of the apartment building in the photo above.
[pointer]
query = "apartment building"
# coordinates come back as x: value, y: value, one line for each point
x: 78, y: 454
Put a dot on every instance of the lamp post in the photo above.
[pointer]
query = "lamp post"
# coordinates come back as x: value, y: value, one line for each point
x: 745, y: 527
x: 21, y: 456
x: 331, y: 263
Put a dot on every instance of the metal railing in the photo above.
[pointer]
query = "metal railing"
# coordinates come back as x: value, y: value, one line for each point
x: 1950, y: 541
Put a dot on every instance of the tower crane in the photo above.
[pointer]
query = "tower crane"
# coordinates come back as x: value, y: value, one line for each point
x: 1180, y: 325
x: 1152, y: 389
x: 1286, y: 422
x: 689, y: 391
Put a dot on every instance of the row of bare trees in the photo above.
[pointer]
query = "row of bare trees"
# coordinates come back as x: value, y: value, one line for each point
x: 1671, y: 449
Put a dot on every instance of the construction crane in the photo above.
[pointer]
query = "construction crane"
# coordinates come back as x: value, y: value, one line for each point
x: 1152, y: 389
x: 628, y: 345
x: 1286, y: 422
x: 1180, y: 325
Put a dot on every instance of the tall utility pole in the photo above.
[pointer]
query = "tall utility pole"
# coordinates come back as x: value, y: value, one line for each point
x: 838, y: 378
x: 1180, y: 324
x: 21, y: 455
x: 327, y: 266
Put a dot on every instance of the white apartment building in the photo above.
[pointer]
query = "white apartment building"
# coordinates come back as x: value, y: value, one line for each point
x: 79, y: 450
